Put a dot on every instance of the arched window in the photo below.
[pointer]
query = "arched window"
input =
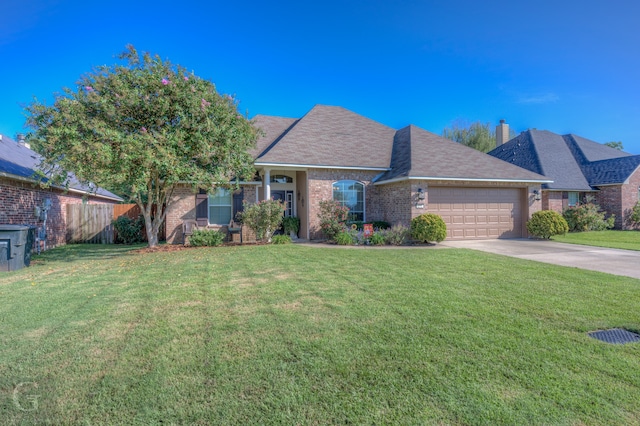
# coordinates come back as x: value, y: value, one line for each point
x: 350, y: 193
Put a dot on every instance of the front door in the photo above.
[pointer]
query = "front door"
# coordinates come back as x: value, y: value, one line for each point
x: 287, y: 199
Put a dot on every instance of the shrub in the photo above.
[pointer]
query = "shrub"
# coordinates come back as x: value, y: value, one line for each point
x: 206, y: 237
x: 587, y: 217
x: 634, y: 215
x: 547, y: 223
x: 377, y: 239
x: 396, y: 235
x: 291, y: 224
x: 129, y: 231
x: 428, y: 227
x: 263, y: 218
x: 333, y: 218
x: 344, y: 238
x: 281, y: 239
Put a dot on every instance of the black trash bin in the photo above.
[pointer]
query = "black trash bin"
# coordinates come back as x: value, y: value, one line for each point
x: 13, y: 243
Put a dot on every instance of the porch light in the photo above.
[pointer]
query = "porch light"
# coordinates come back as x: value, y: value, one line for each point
x: 420, y: 194
x: 536, y: 195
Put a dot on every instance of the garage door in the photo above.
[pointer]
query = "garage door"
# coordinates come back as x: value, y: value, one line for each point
x: 478, y: 212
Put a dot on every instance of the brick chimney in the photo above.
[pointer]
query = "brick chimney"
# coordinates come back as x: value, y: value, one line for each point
x: 502, y: 133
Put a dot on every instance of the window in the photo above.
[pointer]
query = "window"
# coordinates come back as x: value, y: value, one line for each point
x: 220, y: 206
x: 574, y: 198
x: 281, y: 179
x: 350, y: 193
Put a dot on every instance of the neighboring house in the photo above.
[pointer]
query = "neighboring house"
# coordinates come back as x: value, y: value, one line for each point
x: 578, y: 167
x: 21, y: 196
x: 378, y: 172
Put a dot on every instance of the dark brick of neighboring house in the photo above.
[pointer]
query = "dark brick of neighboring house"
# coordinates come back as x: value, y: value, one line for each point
x: 18, y: 200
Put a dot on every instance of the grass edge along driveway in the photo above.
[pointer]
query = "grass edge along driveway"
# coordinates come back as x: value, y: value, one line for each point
x: 299, y: 335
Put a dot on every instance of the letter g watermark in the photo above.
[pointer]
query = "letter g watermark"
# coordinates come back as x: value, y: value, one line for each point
x: 23, y: 397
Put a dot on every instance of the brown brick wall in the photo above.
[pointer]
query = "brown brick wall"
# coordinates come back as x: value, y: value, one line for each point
x: 394, y: 200
x: 320, y: 183
x: 629, y: 198
x: 553, y: 200
x: 18, y: 200
x: 620, y: 199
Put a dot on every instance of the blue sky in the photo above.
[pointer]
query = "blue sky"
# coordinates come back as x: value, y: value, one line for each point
x: 564, y: 66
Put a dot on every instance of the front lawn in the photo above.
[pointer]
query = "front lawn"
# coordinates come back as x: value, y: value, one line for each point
x: 311, y: 335
x: 629, y: 240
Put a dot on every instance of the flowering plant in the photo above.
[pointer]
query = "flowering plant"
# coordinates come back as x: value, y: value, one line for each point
x: 333, y: 218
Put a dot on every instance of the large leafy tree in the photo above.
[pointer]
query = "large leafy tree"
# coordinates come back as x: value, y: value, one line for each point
x: 141, y: 127
x: 615, y: 145
x: 475, y: 135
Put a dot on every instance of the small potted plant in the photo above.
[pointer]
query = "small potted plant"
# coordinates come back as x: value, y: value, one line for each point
x: 291, y: 226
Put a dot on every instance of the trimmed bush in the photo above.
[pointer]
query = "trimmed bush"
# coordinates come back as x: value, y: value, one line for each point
x: 281, y: 239
x: 129, y: 231
x: 428, y: 227
x: 547, y: 223
x: 587, y: 217
x: 206, y: 237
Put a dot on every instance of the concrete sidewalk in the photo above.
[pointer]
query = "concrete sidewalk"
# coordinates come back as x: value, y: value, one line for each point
x: 612, y: 261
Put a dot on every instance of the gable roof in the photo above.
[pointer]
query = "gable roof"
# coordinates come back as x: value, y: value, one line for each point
x: 334, y: 137
x: 546, y: 153
x: 573, y: 162
x: 19, y: 162
x: 328, y: 136
x: 419, y: 154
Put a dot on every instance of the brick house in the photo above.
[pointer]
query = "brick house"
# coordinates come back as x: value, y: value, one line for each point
x: 379, y: 172
x: 578, y: 167
x: 21, y: 196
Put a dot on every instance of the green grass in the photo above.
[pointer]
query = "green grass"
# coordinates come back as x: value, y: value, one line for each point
x: 304, y: 335
x: 629, y: 240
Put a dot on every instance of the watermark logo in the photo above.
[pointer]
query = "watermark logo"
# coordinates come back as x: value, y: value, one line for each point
x: 24, y: 398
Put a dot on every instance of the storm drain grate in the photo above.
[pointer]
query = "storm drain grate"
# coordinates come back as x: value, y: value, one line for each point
x: 616, y: 336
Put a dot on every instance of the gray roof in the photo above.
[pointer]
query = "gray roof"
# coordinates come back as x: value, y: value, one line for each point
x: 18, y: 161
x: 330, y: 136
x: 421, y: 154
x: 573, y: 162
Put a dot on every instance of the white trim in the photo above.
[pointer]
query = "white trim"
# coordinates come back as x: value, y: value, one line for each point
x: 62, y: 188
x: 461, y: 179
x: 318, y: 166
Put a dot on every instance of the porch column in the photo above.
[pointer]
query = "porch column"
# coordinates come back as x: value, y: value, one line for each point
x: 267, y: 184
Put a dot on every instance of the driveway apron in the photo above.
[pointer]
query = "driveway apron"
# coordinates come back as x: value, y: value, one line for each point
x: 612, y: 261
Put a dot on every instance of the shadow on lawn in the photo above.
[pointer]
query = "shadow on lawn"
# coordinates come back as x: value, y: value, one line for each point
x: 74, y: 252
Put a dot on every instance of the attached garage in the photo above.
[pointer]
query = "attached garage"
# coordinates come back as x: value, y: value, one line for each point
x: 479, y: 212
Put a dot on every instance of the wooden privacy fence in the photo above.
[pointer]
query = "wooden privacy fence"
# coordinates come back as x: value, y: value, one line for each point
x: 132, y: 211
x: 90, y: 223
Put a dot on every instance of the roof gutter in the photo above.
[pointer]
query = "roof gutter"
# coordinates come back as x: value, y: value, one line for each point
x: 77, y: 191
x: 460, y: 179
x: 321, y: 166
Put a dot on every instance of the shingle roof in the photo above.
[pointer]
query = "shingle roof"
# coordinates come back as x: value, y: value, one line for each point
x: 573, y: 162
x: 330, y: 136
x: 421, y: 154
x: 19, y: 161
x: 546, y: 153
x: 273, y: 128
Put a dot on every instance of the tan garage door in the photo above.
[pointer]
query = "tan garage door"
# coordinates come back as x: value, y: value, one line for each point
x: 478, y: 212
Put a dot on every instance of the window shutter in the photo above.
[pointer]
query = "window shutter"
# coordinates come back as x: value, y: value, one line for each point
x: 238, y: 207
x: 202, y: 209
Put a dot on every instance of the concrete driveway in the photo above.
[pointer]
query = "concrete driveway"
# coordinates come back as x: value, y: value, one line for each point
x: 612, y: 261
